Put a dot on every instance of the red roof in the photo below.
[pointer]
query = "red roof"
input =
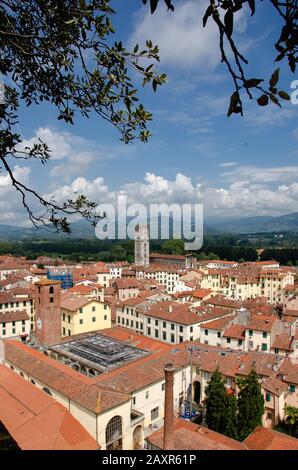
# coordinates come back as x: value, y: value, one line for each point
x: 267, y: 439
x: 35, y: 420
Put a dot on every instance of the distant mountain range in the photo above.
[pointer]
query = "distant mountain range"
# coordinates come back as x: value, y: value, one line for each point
x: 83, y: 230
x: 260, y: 224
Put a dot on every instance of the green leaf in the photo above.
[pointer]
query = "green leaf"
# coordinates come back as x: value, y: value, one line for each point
x: 284, y: 95
x: 275, y: 100
x: 263, y: 100
x: 253, y: 82
x: 274, y: 78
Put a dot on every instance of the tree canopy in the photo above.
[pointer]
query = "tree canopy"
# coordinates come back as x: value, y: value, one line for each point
x: 223, y: 13
x: 62, y: 53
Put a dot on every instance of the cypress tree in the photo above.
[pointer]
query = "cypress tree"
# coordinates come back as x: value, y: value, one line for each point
x: 216, y: 402
x: 250, y: 405
x: 230, y: 417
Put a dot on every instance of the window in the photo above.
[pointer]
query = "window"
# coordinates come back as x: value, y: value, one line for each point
x: 268, y: 396
x: 250, y: 333
x: 155, y: 413
x: 292, y: 388
x: 51, y: 300
x: 13, y: 331
x: 94, y: 319
x: 81, y: 321
x: 3, y: 332
x: 68, y: 318
x: 156, y: 333
x: 156, y: 322
x: 264, y: 347
x: 229, y: 340
x: 149, y: 320
x: 206, y: 332
x: 191, y: 339
x: 218, y: 334
x: 105, y: 317
x: 264, y: 334
x: 133, y: 400
x: 80, y: 310
x: 180, y: 339
x: 206, y: 375
x: 191, y: 329
x: 63, y: 331
x: 123, y: 321
x: 93, y: 309
x: 147, y: 395
x: 164, y: 324
x: 149, y: 331
x: 69, y: 333
x: 163, y: 386
x: 46, y: 390
x: 63, y: 317
x: 172, y: 338
x: 164, y: 335
x: 239, y: 342
x: 181, y: 329
x: 172, y: 326
x: 51, y: 290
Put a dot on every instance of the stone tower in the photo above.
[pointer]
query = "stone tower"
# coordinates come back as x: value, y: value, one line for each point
x: 48, y: 312
x: 142, y: 245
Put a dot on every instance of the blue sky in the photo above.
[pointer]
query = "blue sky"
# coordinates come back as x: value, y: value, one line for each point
x: 236, y: 166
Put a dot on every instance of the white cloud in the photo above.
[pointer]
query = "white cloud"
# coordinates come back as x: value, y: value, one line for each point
x: 254, y: 174
x: 228, y: 164
x: 239, y: 197
x: 182, y: 40
x: 74, y: 155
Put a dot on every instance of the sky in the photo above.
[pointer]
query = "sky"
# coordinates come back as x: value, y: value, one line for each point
x: 237, y: 166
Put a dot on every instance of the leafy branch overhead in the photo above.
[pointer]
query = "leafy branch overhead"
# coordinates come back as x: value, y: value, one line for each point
x: 223, y: 13
x: 62, y: 53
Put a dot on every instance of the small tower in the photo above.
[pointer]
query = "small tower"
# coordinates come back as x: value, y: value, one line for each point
x: 142, y: 245
x: 48, y: 312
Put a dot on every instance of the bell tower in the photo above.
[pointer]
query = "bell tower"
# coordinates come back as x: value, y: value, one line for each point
x: 48, y: 312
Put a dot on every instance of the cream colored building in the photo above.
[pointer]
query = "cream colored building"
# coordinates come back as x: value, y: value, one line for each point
x: 81, y: 315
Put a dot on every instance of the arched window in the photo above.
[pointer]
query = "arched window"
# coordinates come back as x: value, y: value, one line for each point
x: 21, y: 373
x: 51, y: 290
x: 46, y: 390
x: 114, y: 434
x: 32, y: 381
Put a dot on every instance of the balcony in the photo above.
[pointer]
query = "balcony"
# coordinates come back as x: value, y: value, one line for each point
x: 136, y: 417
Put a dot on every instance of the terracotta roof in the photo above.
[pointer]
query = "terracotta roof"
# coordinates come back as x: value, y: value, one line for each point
x: 274, y: 385
x: 165, y: 256
x: 61, y: 378
x: 46, y: 282
x: 267, y: 439
x: 201, y: 293
x: 283, y: 341
x: 13, y: 316
x: 261, y: 323
x: 73, y: 303
x: 81, y: 289
x: 35, y: 420
x: 218, y: 324
x: 190, y: 436
x: 235, y: 331
x: 127, y: 283
x: 173, y: 312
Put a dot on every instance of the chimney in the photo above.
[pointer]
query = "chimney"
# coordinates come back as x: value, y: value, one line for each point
x: 170, y: 308
x: 169, y: 436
